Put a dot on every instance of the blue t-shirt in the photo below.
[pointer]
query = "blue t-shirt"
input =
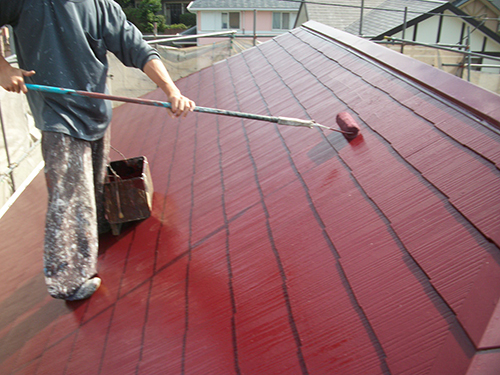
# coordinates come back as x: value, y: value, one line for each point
x: 65, y: 42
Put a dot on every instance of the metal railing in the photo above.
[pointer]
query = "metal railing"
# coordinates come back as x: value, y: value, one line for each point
x: 463, y: 49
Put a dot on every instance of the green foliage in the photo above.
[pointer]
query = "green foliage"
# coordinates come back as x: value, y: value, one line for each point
x: 149, y: 8
x: 188, y: 19
x: 160, y: 21
x: 144, y: 16
x: 133, y: 16
x: 147, y: 11
x: 179, y: 26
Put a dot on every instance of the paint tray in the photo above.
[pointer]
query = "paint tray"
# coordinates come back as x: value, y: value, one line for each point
x: 128, y: 192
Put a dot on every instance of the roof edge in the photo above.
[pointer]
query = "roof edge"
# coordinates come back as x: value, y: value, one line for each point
x: 243, y: 9
x: 475, y: 99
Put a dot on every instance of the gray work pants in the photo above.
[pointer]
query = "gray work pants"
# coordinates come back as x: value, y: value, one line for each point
x: 74, y: 172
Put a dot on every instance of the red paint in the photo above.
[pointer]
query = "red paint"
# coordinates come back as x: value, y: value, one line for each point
x: 209, y: 336
x: 124, y: 337
x: 164, y: 328
x: 318, y: 292
x: 257, y: 287
x: 88, y: 346
x: 55, y: 358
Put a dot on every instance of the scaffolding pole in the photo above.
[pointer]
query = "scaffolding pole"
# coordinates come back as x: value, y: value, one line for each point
x: 11, y: 167
x: 389, y: 39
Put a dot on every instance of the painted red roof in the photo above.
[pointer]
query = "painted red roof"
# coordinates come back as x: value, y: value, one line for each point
x: 281, y: 250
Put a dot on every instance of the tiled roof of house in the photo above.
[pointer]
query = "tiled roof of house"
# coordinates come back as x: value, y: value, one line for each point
x: 378, y: 15
x: 244, y: 4
x: 282, y: 250
x: 390, y: 14
x: 339, y: 14
x: 378, y: 23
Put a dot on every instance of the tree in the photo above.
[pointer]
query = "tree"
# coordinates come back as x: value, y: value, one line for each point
x: 147, y: 11
x: 144, y: 16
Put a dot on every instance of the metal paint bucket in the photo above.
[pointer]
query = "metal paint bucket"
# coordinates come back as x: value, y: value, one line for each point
x: 128, y: 192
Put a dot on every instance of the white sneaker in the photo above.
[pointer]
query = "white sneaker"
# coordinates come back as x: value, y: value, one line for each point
x: 86, y: 290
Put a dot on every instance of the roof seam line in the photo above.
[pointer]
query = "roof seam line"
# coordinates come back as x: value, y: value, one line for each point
x: 286, y: 295
x: 378, y: 209
x: 432, y: 126
x: 157, y: 242
x: 370, y: 331
x: 234, y: 335
x: 190, y: 239
x: 407, y: 162
x: 416, y: 84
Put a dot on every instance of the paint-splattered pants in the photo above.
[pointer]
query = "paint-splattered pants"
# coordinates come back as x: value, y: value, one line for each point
x: 74, y: 172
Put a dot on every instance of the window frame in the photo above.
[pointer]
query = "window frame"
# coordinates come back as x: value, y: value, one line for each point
x: 281, y: 20
x: 227, y: 22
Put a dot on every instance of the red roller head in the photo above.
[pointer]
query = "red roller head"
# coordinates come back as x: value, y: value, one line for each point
x: 348, y: 125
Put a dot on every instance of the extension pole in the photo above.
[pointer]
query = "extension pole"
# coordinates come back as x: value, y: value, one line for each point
x: 156, y: 103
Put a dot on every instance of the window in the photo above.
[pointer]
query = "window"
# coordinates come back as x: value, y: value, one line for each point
x: 231, y: 20
x: 475, y: 60
x: 281, y: 21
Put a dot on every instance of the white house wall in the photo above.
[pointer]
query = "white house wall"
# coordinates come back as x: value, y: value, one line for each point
x: 451, y: 30
x: 491, y: 46
x: 450, y: 33
x: 427, y: 30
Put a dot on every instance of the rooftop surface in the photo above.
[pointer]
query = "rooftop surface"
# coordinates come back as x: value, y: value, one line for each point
x: 378, y: 15
x: 244, y: 4
x: 282, y: 250
x: 391, y: 13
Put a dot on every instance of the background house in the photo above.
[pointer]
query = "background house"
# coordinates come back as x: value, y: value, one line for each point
x: 172, y: 10
x: 265, y: 17
x: 485, y: 11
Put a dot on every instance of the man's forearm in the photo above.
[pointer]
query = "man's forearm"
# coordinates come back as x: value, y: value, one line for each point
x: 157, y: 72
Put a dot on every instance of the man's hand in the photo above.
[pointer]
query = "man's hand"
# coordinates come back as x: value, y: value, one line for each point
x: 181, y: 105
x: 157, y: 72
x: 12, y: 79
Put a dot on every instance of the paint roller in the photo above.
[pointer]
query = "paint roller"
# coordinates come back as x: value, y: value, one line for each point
x: 347, y: 124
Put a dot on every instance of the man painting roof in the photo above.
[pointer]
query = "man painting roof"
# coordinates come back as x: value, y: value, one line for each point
x: 63, y: 43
